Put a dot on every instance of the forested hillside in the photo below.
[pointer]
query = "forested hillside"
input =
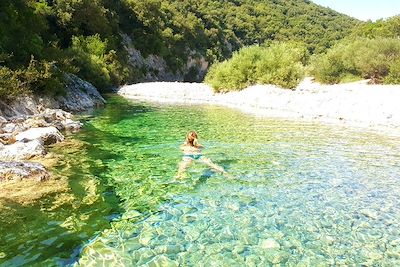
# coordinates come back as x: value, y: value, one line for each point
x: 42, y: 39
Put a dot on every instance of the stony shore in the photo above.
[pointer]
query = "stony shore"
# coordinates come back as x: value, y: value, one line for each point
x: 356, y: 104
x: 31, y: 123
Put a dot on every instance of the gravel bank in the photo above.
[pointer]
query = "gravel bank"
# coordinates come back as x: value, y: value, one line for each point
x: 357, y: 104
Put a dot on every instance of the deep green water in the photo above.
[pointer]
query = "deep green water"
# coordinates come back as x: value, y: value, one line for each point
x: 300, y: 194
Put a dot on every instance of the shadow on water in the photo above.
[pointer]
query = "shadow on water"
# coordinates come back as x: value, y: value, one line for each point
x: 34, y: 223
x: 51, y: 230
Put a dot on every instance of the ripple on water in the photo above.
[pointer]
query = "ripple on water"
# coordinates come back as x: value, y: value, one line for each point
x: 301, y: 194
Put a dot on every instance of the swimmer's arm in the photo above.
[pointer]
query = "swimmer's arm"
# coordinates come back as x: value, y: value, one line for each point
x: 182, y: 147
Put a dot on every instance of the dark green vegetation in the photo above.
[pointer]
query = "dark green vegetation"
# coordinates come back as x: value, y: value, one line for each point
x: 371, y: 52
x: 41, y: 39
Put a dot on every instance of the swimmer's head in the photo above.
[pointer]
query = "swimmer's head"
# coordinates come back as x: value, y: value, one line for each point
x: 191, y: 138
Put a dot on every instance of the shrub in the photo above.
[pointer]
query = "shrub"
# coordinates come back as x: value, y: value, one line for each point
x: 394, y: 73
x: 328, y: 68
x: 363, y: 58
x: 279, y: 64
x: 10, y: 85
x: 236, y: 73
x: 40, y: 77
x: 282, y: 65
x: 97, y: 63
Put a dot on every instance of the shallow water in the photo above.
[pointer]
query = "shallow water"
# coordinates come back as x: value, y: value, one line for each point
x: 298, y: 193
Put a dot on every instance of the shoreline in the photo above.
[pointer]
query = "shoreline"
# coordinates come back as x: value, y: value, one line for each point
x: 30, y: 123
x: 356, y: 104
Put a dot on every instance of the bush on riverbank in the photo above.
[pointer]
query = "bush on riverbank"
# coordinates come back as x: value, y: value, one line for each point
x: 362, y: 58
x: 38, y: 77
x: 96, y: 62
x: 280, y: 64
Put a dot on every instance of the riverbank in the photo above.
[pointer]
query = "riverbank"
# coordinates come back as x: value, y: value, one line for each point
x: 28, y: 126
x: 356, y: 104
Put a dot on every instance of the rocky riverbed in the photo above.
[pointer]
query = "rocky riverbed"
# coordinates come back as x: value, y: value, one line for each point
x: 31, y: 123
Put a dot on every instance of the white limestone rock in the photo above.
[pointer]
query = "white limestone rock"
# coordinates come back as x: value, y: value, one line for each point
x: 71, y: 125
x: 48, y: 135
x: 22, y: 151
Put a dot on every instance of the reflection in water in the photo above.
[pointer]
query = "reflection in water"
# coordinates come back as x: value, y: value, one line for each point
x: 300, y: 193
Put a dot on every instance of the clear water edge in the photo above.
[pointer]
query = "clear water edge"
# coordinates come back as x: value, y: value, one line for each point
x: 302, y: 194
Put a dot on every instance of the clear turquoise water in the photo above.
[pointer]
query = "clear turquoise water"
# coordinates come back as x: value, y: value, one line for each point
x: 299, y: 194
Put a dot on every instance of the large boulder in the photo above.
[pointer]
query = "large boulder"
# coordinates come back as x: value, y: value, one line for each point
x: 48, y: 135
x: 22, y: 170
x: 22, y: 151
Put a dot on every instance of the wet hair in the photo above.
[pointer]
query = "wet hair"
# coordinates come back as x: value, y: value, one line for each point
x: 191, y: 139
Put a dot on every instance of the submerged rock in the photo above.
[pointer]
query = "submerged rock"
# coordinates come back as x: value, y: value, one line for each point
x: 369, y: 213
x: 161, y: 260
x: 22, y: 151
x: 48, y: 135
x: 22, y: 170
x: 269, y: 243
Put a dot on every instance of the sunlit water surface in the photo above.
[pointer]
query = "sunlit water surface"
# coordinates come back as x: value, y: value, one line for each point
x: 297, y: 194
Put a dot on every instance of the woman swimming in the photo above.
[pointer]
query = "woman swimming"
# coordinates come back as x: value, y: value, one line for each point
x: 192, y: 152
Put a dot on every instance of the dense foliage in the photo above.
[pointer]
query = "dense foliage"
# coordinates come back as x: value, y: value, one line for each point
x: 371, y: 52
x: 279, y: 64
x: 84, y: 36
x: 389, y: 28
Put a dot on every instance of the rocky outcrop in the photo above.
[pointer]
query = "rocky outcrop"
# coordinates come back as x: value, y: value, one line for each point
x: 79, y: 95
x: 46, y: 118
x: 22, y: 170
x: 156, y: 68
x: 31, y: 122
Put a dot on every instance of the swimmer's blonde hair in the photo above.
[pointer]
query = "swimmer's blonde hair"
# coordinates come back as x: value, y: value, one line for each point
x: 191, y: 138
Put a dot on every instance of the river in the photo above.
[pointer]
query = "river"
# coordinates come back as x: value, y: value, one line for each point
x: 298, y: 193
